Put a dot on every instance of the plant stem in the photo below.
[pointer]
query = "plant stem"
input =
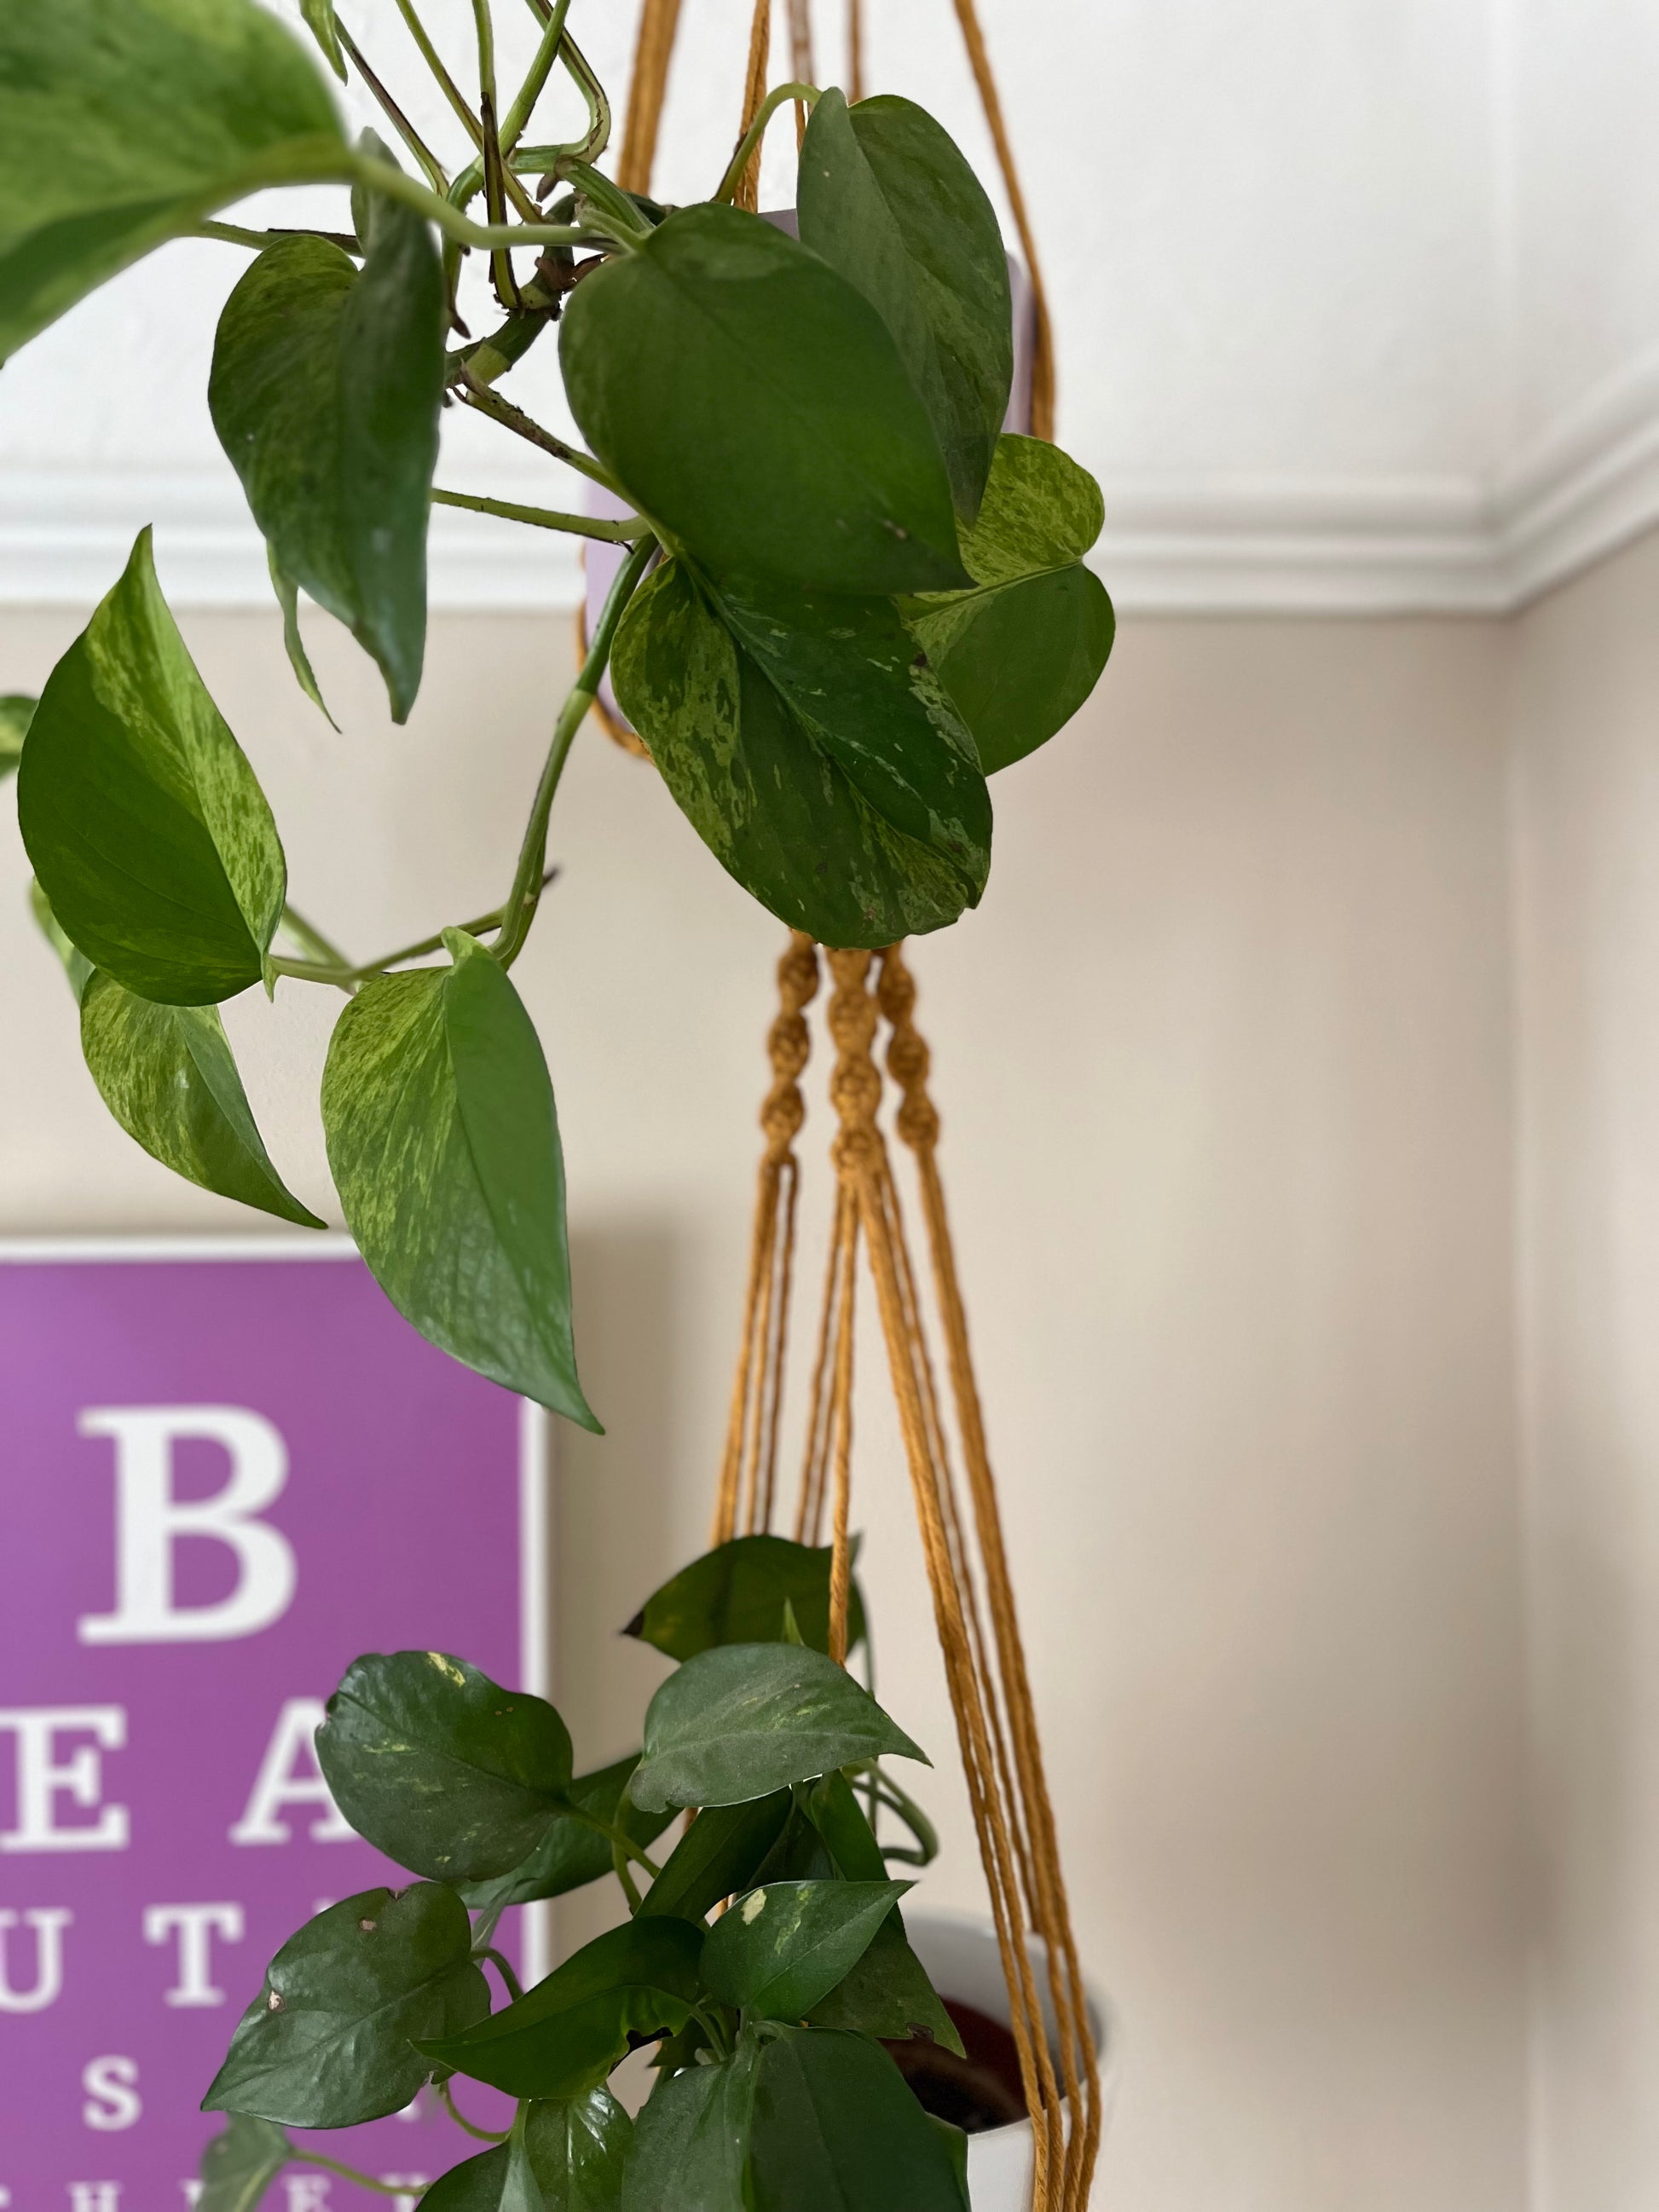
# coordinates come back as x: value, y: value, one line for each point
x: 394, y: 114
x: 524, y: 426
x: 447, y: 84
x: 521, y: 902
x: 446, y: 2098
x: 308, y: 935
x: 587, y: 82
x: 309, y: 2157
x: 608, y: 198
x: 619, y: 1839
x: 232, y: 234
x: 631, y: 1888
x: 516, y: 119
x: 806, y: 94
x: 546, y: 517
x: 380, y: 178
x: 712, y: 2028
x: 504, y: 1967
x: 341, y: 972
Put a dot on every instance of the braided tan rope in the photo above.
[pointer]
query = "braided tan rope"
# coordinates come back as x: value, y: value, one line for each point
x: 754, y: 91
x: 653, y: 50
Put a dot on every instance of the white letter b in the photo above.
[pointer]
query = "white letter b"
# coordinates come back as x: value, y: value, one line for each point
x: 149, y: 1519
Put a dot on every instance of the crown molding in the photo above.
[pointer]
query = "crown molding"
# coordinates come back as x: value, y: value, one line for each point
x: 1174, y: 544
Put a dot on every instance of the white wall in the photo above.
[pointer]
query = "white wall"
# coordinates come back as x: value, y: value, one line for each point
x: 1224, y: 1061
x: 1585, y: 693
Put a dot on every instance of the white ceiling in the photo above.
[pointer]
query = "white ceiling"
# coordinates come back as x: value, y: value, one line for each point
x: 1357, y: 301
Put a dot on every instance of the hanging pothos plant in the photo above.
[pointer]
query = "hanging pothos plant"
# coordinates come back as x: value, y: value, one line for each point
x: 847, y: 599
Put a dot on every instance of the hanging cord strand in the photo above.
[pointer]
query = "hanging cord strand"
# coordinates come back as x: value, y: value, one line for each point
x: 747, y: 194
x: 653, y: 50
x: 908, y: 1062
x: 860, y: 1162
x: 1043, y: 349
x: 800, y: 59
x: 855, y: 50
x: 815, y: 1457
x: 758, y: 1382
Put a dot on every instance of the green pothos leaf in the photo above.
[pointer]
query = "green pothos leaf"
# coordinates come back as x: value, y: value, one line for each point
x: 738, y: 1594
x: 77, y: 966
x: 1021, y: 651
x: 814, y: 756
x: 444, y: 1144
x: 16, y: 712
x: 288, y: 599
x: 169, y: 1076
x: 239, y: 2166
x: 318, y: 16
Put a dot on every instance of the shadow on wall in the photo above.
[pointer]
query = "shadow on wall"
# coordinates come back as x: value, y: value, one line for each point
x: 615, y: 1536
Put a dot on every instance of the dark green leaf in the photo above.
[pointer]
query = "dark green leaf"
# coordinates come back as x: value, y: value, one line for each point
x: 575, y: 2151
x: 839, y: 1818
x: 772, y: 804
x: 144, y: 824
x: 16, y: 712
x: 750, y: 400
x: 562, y: 2038
x: 77, y: 966
x: 319, y: 19
x: 330, y: 2039
x: 691, y: 2141
x: 1020, y: 653
x: 956, y: 2149
x: 445, y: 1147
x: 719, y: 1853
x: 239, y: 2166
x: 835, y: 2126
x: 800, y: 1853
x: 288, y: 597
x: 781, y: 1950
x: 572, y: 1854
x: 122, y: 126
x: 736, y: 1593
x: 439, y: 1767
x: 167, y: 1075
x: 887, y: 1994
x: 749, y: 1718
x: 325, y: 391
x: 887, y: 199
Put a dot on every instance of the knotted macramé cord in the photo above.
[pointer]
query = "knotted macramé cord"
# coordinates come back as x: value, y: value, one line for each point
x: 967, y: 1562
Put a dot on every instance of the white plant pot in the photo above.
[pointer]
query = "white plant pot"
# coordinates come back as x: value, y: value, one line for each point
x: 960, y: 1952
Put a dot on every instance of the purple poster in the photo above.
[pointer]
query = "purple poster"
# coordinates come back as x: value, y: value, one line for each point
x: 225, y: 1470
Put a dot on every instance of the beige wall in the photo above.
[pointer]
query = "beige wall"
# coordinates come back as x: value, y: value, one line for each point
x: 1225, y: 1060
x: 1585, y: 716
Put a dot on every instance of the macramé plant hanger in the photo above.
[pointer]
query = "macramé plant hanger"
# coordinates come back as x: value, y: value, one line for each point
x: 974, y: 1608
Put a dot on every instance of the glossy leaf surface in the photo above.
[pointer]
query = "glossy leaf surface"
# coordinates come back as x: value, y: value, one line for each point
x: 772, y: 802
x: 325, y: 391
x: 575, y: 2152
x: 444, y: 1145
x: 835, y: 2126
x: 330, y: 2039
x: 691, y: 2141
x: 122, y: 126
x: 1020, y: 653
x: 780, y: 1950
x: 145, y: 826
x: 239, y: 2165
x: 887, y: 1993
x: 736, y: 1593
x: 441, y: 1768
x: 570, y: 1854
x: 749, y: 1718
x: 750, y: 400
x: 887, y: 199
x: 721, y: 1851
x: 562, y: 2038
x: 167, y: 1075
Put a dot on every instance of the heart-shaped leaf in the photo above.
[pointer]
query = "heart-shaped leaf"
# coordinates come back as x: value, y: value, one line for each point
x: 749, y: 1718
x: 330, y: 2039
x: 239, y: 2166
x: 1020, y: 653
x: 767, y: 795
x: 835, y: 2124
x: 562, y: 2038
x: 721, y: 1851
x: 576, y: 2151
x: 325, y: 391
x: 122, y: 126
x: 444, y: 1144
x: 145, y: 826
x: 887, y: 199
x: 780, y: 1950
x: 736, y: 1593
x: 167, y: 1075
x: 691, y: 2139
x: 886, y: 1993
x: 16, y: 712
x: 439, y: 1767
x: 571, y: 1854
x: 749, y: 399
